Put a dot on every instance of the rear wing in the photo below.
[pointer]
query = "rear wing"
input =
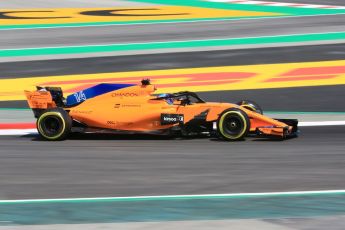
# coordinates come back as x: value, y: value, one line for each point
x: 39, y: 99
x: 45, y: 98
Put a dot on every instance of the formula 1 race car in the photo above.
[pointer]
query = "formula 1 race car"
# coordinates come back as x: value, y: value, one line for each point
x: 128, y: 108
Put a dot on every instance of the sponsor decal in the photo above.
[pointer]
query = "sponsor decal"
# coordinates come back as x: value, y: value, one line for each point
x: 117, y: 106
x: 124, y: 95
x: 82, y: 111
x: 119, y: 123
x: 167, y: 119
x: 131, y: 106
x: 80, y: 96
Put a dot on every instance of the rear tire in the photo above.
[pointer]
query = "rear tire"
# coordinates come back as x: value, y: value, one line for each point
x: 54, y: 124
x: 233, y: 124
x: 251, y: 105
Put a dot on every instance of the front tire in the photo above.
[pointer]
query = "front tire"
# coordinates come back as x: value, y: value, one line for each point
x: 54, y: 125
x: 233, y: 124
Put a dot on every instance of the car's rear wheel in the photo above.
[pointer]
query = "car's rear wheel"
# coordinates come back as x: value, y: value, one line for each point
x: 251, y: 105
x: 233, y: 124
x: 54, y: 124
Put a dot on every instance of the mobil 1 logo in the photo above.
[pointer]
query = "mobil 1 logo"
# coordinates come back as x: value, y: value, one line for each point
x: 168, y: 119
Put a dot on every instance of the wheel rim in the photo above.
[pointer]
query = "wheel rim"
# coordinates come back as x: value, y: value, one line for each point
x: 52, y: 126
x: 233, y: 125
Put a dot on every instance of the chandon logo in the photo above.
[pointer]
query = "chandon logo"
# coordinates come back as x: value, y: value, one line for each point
x: 124, y: 95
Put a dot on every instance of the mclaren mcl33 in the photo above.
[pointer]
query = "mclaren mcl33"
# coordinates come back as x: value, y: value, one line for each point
x: 128, y: 108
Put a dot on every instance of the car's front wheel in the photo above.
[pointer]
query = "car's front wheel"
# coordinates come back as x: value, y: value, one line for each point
x: 54, y: 125
x: 233, y: 124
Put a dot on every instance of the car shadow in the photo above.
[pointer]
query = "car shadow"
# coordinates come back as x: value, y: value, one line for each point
x: 98, y: 136
x: 111, y: 136
x: 222, y: 140
x: 255, y: 139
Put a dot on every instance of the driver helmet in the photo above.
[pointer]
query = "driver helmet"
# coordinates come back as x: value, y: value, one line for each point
x: 168, y: 99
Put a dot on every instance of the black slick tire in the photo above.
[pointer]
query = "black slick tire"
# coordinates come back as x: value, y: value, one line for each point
x: 54, y: 124
x: 233, y: 124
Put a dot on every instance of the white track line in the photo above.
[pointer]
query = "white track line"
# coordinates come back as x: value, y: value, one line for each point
x: 168, y: 42
x: 205, y: 196
x: 15, y: 132
x: 267, y: 3
x: 170, y: 22
x: 320, y: 123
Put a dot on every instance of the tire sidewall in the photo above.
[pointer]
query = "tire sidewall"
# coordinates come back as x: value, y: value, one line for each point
x: 65, y: 120
x: 236, y: 113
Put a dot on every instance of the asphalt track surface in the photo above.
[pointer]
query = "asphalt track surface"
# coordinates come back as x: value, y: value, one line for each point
x: 57, y: 37
x: 323, y: 98
x: 97, y: 166
x: 172, y: 61
x: 302, y: 99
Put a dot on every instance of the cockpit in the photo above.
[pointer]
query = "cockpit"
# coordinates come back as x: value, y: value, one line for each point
x: 180, y: 98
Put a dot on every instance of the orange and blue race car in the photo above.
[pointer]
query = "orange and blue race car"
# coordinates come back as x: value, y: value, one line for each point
x: 128, y: 108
